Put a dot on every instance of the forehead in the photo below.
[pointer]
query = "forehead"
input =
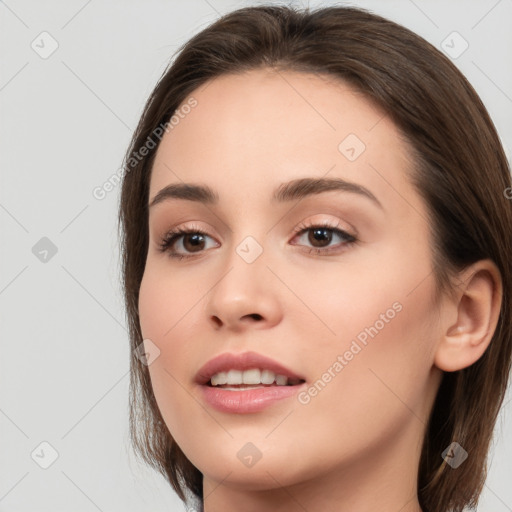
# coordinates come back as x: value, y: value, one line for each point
x: 251, y: 131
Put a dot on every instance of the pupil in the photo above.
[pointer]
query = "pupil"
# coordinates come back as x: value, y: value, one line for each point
x: 195, y: 239
x: 321, y: 233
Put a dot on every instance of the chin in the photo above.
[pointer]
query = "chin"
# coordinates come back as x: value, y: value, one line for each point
x: 272, y: 470
x: 258, y: 478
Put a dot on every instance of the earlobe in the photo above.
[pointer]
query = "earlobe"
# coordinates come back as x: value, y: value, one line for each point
x: 478, y: 302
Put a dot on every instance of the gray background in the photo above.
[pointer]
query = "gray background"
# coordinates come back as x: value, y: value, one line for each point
x: 66, y: 121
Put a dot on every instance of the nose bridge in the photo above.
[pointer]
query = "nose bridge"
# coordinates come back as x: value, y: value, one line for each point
x: 245, y: 267
x: 245, y: 289
x: 247, y: 239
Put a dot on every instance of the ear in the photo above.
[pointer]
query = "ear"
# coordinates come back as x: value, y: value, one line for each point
x: 470, y: 318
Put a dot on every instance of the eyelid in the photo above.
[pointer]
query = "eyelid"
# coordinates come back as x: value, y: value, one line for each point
x: 335, y: 224
x: 185, y: 228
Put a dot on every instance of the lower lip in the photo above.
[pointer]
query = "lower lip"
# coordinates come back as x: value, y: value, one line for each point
x: 250, y: 400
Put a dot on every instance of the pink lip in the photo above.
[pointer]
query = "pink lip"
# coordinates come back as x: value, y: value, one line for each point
x: 245, y: 361
x: 249, y: 400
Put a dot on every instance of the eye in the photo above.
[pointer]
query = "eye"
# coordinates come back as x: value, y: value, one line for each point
x: 193, y: 240
x: 321, y: 235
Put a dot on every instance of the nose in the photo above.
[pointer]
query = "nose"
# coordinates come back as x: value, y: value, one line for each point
x: 247, y: 295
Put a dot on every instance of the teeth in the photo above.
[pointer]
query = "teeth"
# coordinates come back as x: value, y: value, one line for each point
x: 234, y: 377
x: 267, y: 377
x: 219, y: 379
x: 281, y: 380
x: 252, y: 376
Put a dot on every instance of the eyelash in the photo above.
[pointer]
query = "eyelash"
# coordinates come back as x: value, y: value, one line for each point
x: 171, y: 236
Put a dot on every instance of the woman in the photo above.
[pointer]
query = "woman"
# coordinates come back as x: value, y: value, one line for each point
x: 316, y: 251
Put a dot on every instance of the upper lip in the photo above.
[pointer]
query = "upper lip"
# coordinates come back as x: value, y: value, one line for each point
x: 245, y: 361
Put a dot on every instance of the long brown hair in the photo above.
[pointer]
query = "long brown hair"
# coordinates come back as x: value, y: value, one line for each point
x: 459, y: 169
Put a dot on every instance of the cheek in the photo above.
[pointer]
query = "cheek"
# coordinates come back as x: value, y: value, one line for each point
x: 381, y: 360
x: 165, y: 299
x: 167, y: 303
x: 361, y: 298
x: 374, y: 368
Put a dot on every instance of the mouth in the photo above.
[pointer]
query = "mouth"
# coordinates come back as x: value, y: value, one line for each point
x: 247, y: 382
x: 254, y: 378
x: 246, y: 369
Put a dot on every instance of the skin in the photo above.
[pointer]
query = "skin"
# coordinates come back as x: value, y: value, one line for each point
x: 356, y: 445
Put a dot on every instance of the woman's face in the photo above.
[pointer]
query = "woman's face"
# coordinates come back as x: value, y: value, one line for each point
x: 355, y: 318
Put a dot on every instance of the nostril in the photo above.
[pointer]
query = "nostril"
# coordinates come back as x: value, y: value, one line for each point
x: 217, y: 320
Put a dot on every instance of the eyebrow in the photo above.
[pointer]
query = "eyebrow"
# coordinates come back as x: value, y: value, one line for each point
x: 290, y: 191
